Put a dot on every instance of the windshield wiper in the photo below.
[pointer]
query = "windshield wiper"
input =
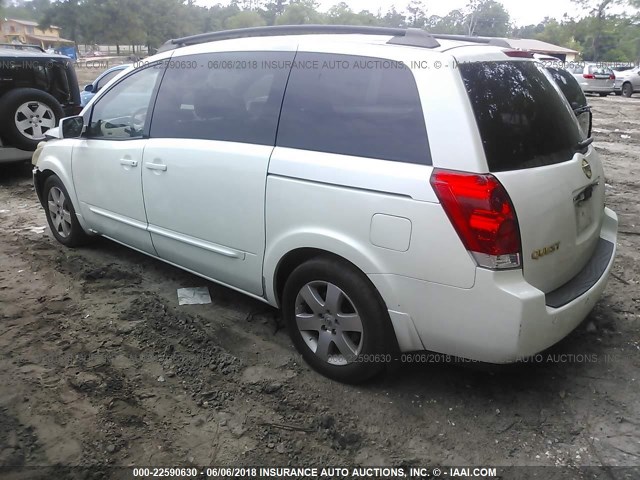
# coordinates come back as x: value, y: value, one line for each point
x: 582, y: 145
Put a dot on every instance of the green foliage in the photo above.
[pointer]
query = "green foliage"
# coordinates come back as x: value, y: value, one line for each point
x: 452, y: 23
x: 300, y: 12
x: 393, y: 19
x: 341, y: 14
x: 487, y: 18
x: 417, y: 14
x: 245, y: 19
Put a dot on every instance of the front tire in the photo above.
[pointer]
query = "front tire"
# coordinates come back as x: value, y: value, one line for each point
x: 337, y: 320
x: 27, y: 114
x: 61, y: 216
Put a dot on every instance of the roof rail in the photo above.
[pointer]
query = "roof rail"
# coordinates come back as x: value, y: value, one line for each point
x: 402, y: 36
x: 498, y: 42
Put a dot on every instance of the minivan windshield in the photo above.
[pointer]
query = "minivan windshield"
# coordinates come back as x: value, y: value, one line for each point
x: 523, y: 119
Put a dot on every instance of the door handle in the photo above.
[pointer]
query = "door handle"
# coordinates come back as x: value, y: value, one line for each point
x: 128, y: 163
x: 156, y: 166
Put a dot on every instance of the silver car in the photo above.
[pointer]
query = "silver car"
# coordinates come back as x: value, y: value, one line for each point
x: 594, y: 78
x: 628, y: 82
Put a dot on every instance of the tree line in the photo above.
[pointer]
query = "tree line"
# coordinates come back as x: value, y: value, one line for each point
x: 607, y: 30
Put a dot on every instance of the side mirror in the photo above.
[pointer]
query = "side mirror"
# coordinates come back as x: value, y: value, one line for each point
x: 71, y: 127
x: 88, y: 88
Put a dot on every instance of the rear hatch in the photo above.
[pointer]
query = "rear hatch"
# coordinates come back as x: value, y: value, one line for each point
x: 600, y: 78
x: 535, y: 148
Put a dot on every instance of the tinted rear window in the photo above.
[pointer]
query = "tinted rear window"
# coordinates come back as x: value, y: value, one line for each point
x: 523, y: 119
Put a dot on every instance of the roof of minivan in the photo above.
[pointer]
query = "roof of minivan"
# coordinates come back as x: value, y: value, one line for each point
x: 466, y: 51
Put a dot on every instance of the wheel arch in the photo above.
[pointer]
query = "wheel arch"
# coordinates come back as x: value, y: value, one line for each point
x: 625, y: 83
x: 293, y: 259
x: 292, y: 246
x: 39, y: 178
x: 57, y: 163
x: 297, y: 256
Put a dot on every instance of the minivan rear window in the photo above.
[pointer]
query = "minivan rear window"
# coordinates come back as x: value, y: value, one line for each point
x: 523, y: 119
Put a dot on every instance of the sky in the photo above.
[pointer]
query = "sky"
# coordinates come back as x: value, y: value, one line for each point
x: 523, y: 12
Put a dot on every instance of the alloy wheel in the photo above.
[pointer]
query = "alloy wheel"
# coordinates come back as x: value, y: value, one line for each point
x: 33, y: 119
x: 59, y: 212
x: 329, y: 323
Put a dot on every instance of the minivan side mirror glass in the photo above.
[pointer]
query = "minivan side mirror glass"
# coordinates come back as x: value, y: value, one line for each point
x: 71, y: 127
x: 88, y: 88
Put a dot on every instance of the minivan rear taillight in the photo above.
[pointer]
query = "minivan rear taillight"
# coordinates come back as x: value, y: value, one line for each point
x: 482, y: 213
x: 589, y: 76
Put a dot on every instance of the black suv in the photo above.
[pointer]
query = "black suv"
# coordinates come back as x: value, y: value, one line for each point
x: 36, y: 90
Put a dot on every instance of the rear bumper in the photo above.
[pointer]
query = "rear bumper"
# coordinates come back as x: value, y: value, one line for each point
x: 501, y: 319
x: 589, y: 88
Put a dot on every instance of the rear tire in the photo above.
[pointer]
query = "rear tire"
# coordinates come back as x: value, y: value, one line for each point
x: 61, y: 216
x: 627, y: 90
x: 337, y: 320
x: 27, y: 114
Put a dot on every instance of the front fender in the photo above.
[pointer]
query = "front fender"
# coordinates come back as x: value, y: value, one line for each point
x: 55, y: 159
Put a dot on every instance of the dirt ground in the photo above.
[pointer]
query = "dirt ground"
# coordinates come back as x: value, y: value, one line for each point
x: 99, y: 365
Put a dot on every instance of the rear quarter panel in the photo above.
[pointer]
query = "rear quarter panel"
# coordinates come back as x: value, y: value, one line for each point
x: 328, y: 209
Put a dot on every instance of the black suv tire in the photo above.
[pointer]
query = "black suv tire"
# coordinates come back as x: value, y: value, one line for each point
x: 11, y: 101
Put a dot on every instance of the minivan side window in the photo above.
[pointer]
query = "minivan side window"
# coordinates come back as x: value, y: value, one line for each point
x: 121, y: 114
x: 225, y: 96
x: 351, y: 105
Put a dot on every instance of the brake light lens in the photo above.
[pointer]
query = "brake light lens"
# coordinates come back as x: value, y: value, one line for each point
x: 589, y: 76
x: 518, y: 53
x: 483, y: 216
x: 612, y: 76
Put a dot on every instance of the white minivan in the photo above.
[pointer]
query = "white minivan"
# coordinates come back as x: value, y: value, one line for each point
x: 390, y: 190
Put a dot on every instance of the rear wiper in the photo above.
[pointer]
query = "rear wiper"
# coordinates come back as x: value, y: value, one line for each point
x: 582, y: 145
